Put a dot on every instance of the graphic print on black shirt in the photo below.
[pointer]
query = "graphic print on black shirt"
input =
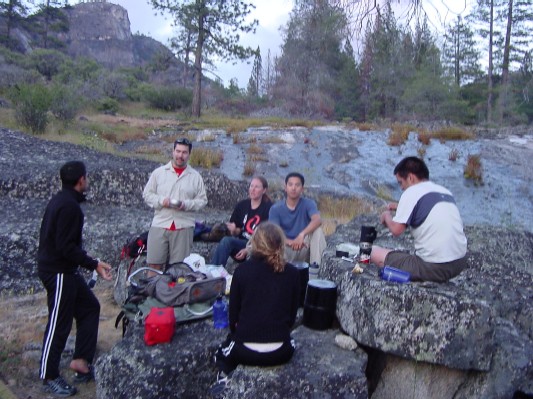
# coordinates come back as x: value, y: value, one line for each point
x: 247, y: 219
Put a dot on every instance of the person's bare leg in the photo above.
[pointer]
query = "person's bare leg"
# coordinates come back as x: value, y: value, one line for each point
x: 377, y: 256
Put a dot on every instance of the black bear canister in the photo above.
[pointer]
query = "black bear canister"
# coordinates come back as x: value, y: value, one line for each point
x: 368, y: 235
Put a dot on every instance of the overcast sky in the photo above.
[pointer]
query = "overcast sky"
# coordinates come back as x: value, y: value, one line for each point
x: 270, y: 13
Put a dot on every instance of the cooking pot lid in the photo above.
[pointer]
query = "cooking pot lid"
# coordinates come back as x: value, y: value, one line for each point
x: 349, y: 248
x: 322, y: 284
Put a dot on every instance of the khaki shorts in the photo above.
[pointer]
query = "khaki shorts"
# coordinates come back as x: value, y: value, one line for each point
x: 425, y: 271
x: 170, y: 246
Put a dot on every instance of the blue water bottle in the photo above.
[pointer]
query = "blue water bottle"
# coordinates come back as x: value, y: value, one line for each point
x: 220, y: 312
x: 389, y: 273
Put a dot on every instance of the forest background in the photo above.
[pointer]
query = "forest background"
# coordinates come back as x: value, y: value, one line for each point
x: 478, y: 71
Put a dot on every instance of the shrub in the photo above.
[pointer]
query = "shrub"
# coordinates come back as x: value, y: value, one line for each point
x: 453, y: 133
x: 343, y: 209
x: 113, y: 85
x: 65, y: 102
x: 453, y: 155
x: 107, y: 105
x: 168, y: 98
x: 80, y: 70
x: 424, y: 137
x: 274, y: 140
x: 403, y: 130
x: 365, y: 127
x: 32, y: 103
x: 384, y: 192
x: 249, y: 168
x: 473, y: 169
x: 395, y: 139
x: 206, y: 158
x: 47, y: 62
x: 255, y: 149
x: 258, y: 158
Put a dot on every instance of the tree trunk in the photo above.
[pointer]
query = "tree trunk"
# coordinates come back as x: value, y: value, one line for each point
x: 46, y: 23
x: 197, y: 94
x: 505, y: 67
x: 186, y: 60
x: 10, y: 17
x: 491, y: 39
x: 457, y: 55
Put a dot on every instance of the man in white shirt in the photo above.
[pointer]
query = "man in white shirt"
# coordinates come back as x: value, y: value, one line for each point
x: 437, y: 228
x: 175, y: 191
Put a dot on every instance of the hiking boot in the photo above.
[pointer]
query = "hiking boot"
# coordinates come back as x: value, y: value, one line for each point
x: 59, y: 387
x: 84, y: 377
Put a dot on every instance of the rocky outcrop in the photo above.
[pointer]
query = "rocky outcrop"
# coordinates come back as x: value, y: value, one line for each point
x: 469, y: 338
x: 318, y: 369
x: 478, y: 325
x: 183, y: 368
x: 100, y: 31
x: 473, y: 334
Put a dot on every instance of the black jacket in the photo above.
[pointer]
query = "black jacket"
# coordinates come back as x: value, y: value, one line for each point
x: 60, y: 248
x: 263, y: 304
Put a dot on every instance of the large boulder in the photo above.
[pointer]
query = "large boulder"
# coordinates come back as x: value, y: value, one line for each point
x: 183, y: 368
x: 478, y: 322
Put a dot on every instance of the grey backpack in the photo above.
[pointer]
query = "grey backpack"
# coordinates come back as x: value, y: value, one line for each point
x: 189, y: 292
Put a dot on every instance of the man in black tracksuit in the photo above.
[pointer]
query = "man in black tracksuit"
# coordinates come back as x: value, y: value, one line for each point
x: 69, y: 297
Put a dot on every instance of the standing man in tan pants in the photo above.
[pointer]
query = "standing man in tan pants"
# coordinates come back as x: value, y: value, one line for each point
x: 175, y: 191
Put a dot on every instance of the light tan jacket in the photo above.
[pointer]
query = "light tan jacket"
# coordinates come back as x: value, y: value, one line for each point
x: 188, y: 188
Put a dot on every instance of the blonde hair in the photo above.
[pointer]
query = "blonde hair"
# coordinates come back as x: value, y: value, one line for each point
x: 268, y: 242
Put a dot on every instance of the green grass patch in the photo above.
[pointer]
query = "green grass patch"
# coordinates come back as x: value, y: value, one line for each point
x: 383, y: 192
x: 255, y: 149
x: 249, y: 168
x: 453, y: 155
x: 273, y: 140
x: 400, y: 133
x: 424, y: 137
x: 365, y: 126
x: 343, y: 209
x: 453, y: 133
x: 206, y: 158
x: 473, y: 169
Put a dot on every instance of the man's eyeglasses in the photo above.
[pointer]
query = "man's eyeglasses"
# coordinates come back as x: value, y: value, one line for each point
x: 183, y: 141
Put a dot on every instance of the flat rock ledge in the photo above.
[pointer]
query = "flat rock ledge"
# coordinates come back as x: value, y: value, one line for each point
x: 476, y: 330
x: 183, y: 368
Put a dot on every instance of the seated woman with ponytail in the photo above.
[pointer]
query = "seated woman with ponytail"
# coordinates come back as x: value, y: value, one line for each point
x: 264, y: 299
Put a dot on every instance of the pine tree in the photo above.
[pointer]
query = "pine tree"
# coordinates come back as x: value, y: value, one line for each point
x: 311, y: 58
x: 507, y: 25
x: 269, y: 75
x: 347, y: 99
x: 183, y: 42
x: 459, y: 54
x: 216, y: 25
x: 13, y: 10
x: 386, y: 66
x: 255, y: 83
